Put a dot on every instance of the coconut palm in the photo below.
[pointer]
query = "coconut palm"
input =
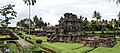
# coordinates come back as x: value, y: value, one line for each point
x: 86, y: 24
x: 119, y: 19
x: 97, y: 16
x: 117, y: 1
x: 81, y: 18
x: 92, y: 24
x: 35, y: 20
x: 29, y: 3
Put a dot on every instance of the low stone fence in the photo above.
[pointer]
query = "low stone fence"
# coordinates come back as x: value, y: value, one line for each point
x: 90, y: 41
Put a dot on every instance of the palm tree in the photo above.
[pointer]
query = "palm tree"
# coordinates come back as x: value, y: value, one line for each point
x: 29, y: 3
x: 97, y: 16
x: 119, y: 19
x: 86, y: 24
x: 35, y: 20
x: 92, y: 24
x: 117, y: 1
x: 81, y: 18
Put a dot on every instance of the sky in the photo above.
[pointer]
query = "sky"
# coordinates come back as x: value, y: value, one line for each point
x: 51, y: 10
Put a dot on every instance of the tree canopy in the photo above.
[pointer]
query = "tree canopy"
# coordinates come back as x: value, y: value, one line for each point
x: 8, y: 12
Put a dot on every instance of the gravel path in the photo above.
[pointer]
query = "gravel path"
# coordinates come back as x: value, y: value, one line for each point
x: 23, y: 42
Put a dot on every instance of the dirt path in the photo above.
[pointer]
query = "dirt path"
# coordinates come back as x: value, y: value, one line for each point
x: 23, y: 42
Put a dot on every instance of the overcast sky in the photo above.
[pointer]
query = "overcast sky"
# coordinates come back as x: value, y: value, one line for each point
x: 52, y: 10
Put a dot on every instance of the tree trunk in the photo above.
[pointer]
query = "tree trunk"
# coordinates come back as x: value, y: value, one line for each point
x: 29, y: 17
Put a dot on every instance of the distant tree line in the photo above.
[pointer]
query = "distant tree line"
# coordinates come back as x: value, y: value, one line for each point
x: 99, y: 24
x: 36, y: 22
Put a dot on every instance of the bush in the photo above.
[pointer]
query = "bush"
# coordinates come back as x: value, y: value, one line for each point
x: 39, y: 41
x: 28, y: 37
x: 19, y: 33
x: 17, y: 44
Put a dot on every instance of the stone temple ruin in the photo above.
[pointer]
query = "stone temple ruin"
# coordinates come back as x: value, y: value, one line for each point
x: 69, y: 30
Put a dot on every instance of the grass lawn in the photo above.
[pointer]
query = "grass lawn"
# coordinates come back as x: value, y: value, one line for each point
x: 2, y: 36
x: 105, y: 50
x: 33, y: 37
x: 114, y: 49
x: 66, y: 47
x: 59, y: 47
x: 117, y: 45
x: 12, y: 47
x: 82, y: 50
x: 44, y: 39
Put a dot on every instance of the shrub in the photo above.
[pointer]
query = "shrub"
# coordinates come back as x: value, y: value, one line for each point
x: 17, y: 44
x: 38, y: 41
x: 19, y: 33
x: 28, y: 37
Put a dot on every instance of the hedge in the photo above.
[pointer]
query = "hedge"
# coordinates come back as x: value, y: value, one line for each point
x: 17, y: 44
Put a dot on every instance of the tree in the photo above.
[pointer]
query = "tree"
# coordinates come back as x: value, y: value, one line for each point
x: 97, y: 16
x: 119, y: 19
x: 8, y: 12
x: 93, y: 25
x: 29, y: 3
x: 117, y: 1
x: 48, y: 24
x: 18, y: 24
x: 86, y: 24
x: 81, y: 18
x: 35, y: 20
x: 36, y: 23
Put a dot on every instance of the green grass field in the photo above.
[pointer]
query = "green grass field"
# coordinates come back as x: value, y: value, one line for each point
x: 74, y: 47
x: 12, y: 47
x: 114, y: 49
x: 44, y: 39
x: 33, y: 38
x: 1, y: 36
x: 66, y: 47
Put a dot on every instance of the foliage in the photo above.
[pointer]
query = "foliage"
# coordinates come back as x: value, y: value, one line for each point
x: 33, y: 49
x: 36, y: 23
x: 12, y: 47
x: 17, y: 44
x: 38, y: 41
x: 29, y: 2
x: 8, y: 12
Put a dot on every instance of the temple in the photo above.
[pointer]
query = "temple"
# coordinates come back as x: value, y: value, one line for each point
x: 69, y: 30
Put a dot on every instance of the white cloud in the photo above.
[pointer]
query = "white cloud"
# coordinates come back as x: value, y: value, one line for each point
x: 52, y: 10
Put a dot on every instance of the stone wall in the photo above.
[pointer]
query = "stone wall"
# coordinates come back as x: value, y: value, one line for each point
x: 90, y: 41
